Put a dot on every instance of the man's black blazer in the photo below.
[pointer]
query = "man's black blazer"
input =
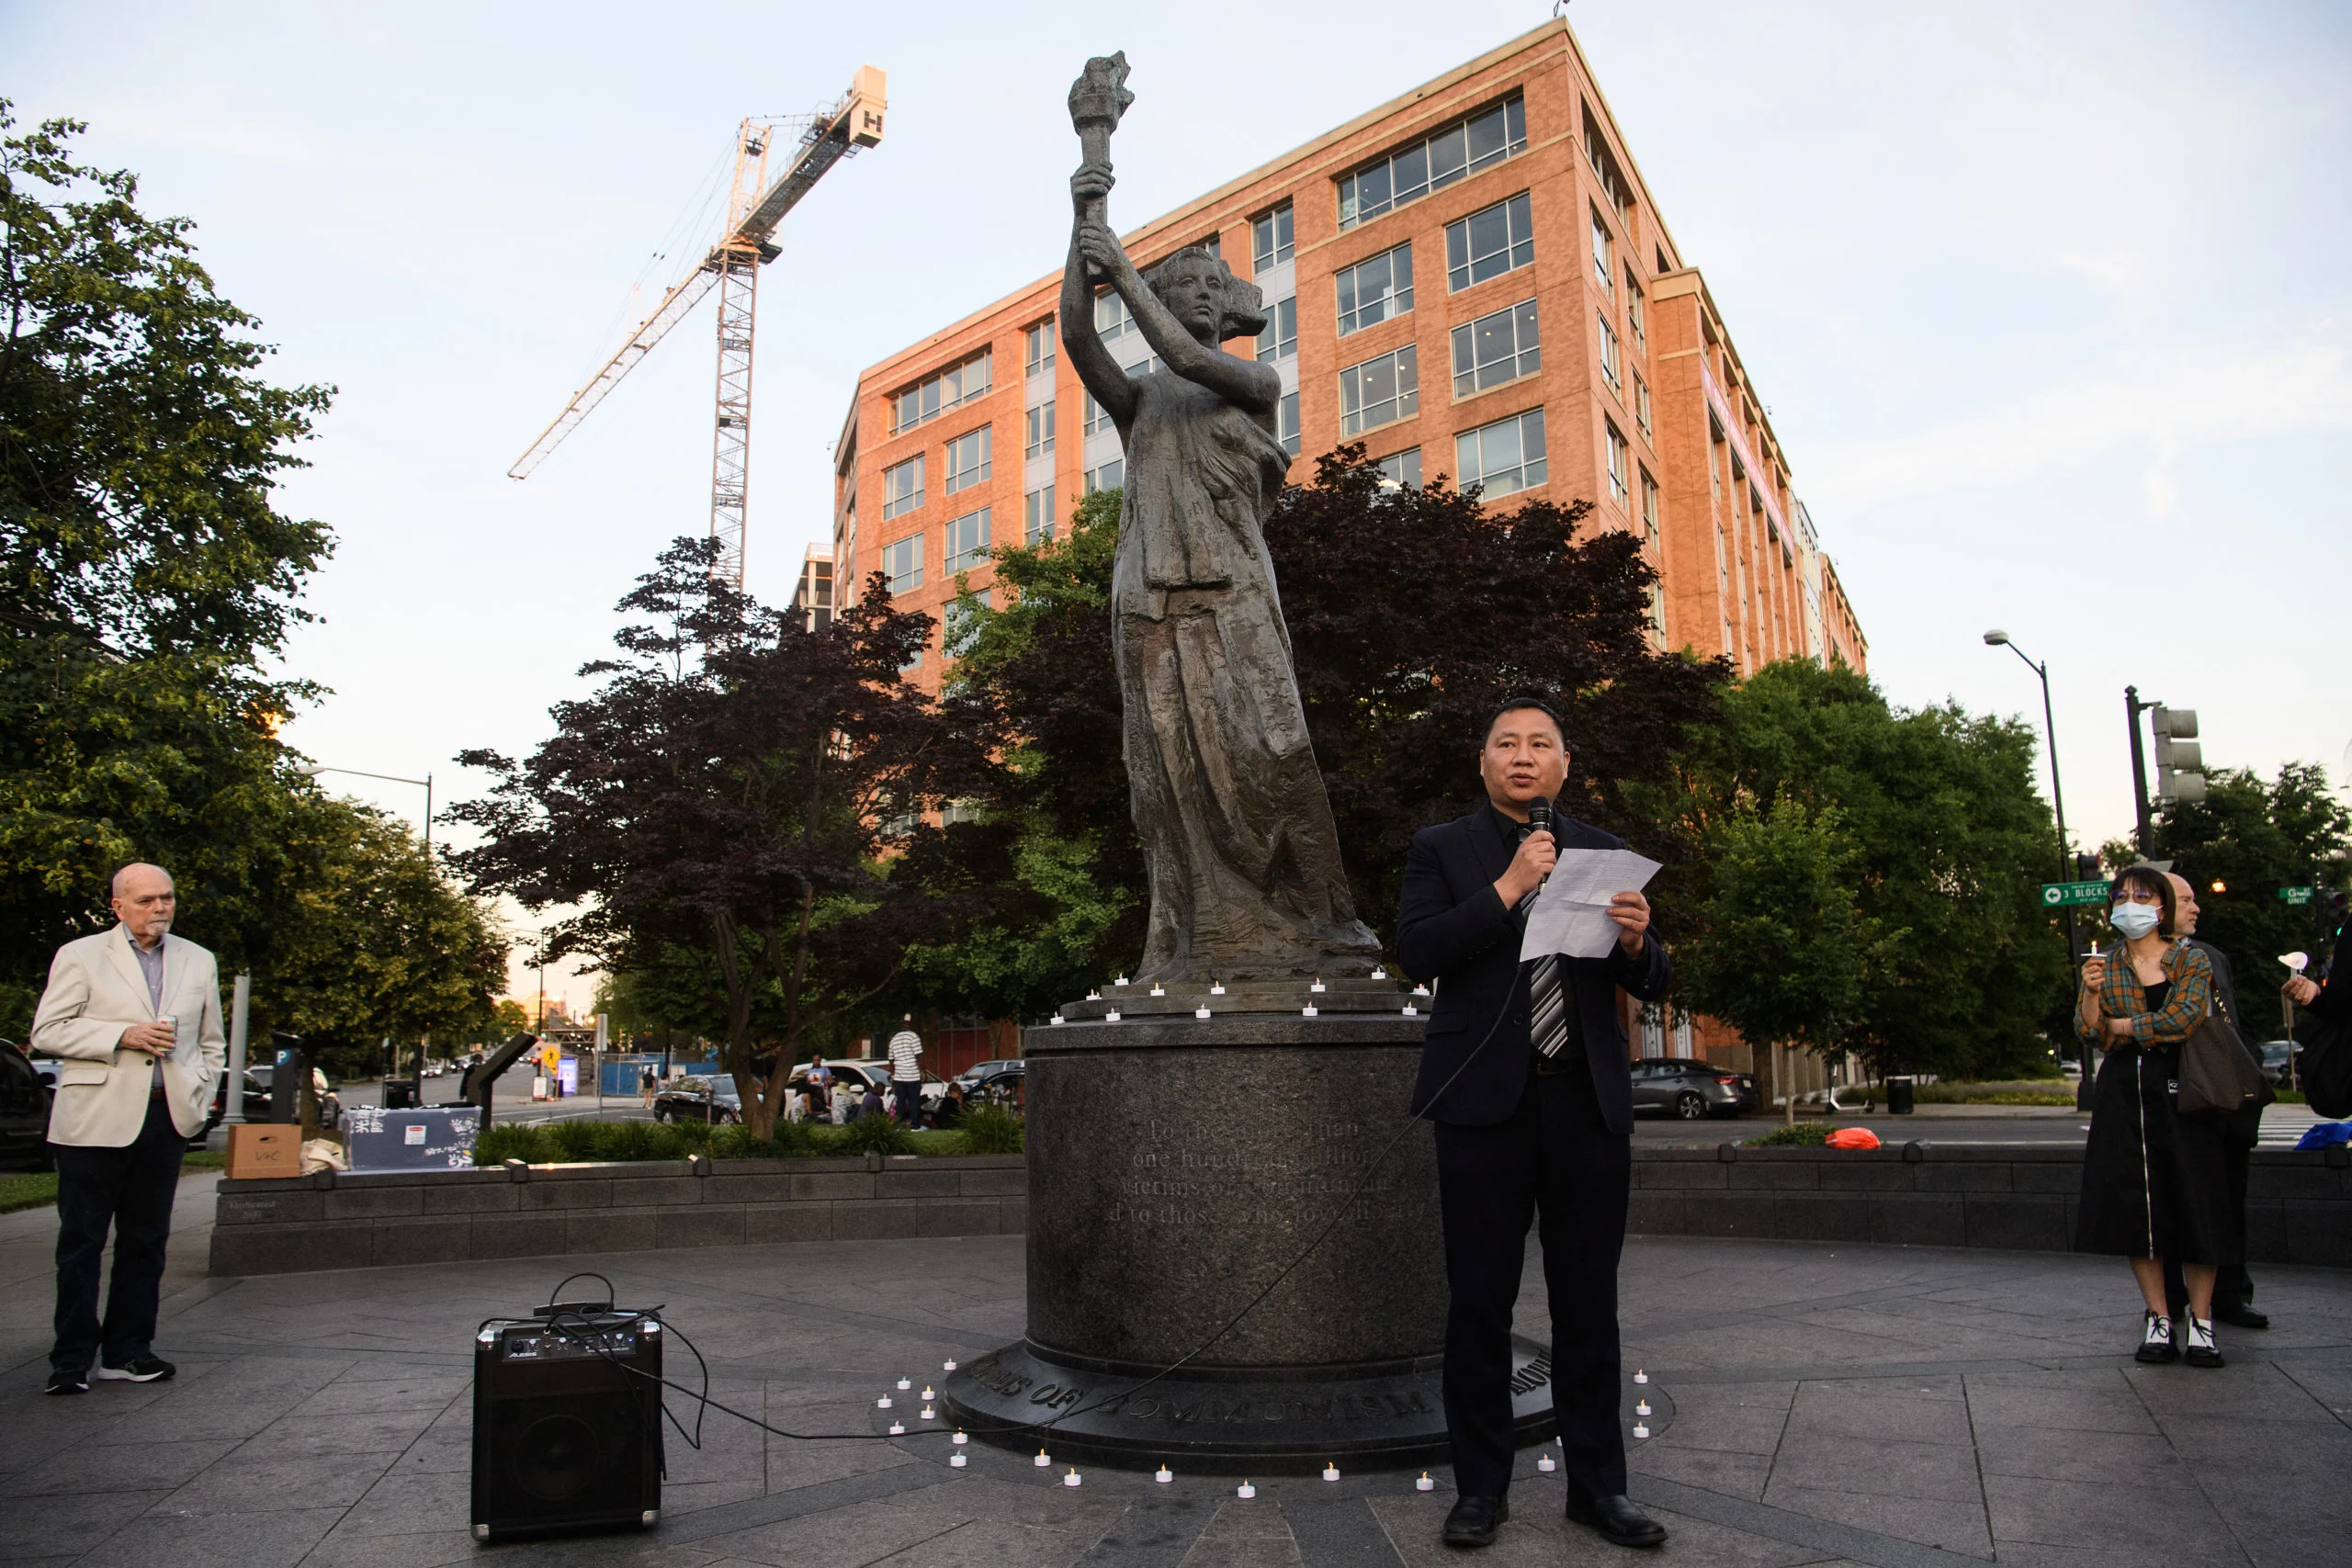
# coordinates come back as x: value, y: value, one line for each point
x: 1452, y: 928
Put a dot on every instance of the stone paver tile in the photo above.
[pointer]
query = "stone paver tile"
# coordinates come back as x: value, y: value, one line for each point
x: 2039, y: 1554
x: 1251, y: 1534
x: 215, y: 1540
x: 857, y: 1533
x: 1540, y: 1536
x: 139, y: 1466
x: 1879, y: 1467
x: 68, y: 1523
x: 2124, y: 1459
x: 245, y: 1482
x: 1911, y: 1409
x: 2328, y: 1383
x: 1733, y: 1474
x: 2243, y: 1391
x: 369, y: 1431
x: 1736, y: 1418
x: 345, y: 1548
x: 2079, y: 1400
x: 420, y: 1389
x: 1955, y: 1525
x: 2171, y: 1520
x: 405, y: 1501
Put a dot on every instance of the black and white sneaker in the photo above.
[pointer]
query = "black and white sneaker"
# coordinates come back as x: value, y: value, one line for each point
x: 2156, y: 1346
x: 2201, y: 1351
x: 63, y: 1380
x: 138, y: 1369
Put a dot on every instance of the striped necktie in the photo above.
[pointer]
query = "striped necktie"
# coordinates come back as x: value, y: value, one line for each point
x: 1547, y: 1013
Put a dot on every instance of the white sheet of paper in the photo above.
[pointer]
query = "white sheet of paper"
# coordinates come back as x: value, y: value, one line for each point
x: 1571, y: 914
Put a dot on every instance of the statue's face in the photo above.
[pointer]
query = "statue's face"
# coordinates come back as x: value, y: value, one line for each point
x: 1193, y: 291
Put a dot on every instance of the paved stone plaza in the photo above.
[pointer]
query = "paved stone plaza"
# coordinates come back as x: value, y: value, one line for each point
x: 1815, y: 1405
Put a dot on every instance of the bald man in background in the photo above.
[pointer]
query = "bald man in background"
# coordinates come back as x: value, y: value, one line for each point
x: 134, y: 1015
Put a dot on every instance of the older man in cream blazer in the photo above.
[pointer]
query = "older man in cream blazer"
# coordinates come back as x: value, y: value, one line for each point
x: 134, y: 1015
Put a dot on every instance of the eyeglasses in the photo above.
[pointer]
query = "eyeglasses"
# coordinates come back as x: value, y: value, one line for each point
x: 2136, y: 895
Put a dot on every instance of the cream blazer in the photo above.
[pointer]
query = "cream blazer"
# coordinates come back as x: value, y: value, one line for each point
x: 96, y: 992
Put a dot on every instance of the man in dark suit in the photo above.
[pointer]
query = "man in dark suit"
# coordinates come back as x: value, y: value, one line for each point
x: 2233, y: 1286
x: 1524, y: 1076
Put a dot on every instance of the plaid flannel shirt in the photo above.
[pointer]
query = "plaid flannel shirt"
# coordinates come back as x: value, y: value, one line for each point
x: 2121, y: 996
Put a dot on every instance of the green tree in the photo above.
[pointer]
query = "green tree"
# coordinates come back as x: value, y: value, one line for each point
x: 1786, y: 955
x: 1411, y: 613
x: 1951, y: 846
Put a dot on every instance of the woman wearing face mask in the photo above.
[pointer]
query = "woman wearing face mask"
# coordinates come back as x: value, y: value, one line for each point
x: 2154, y: 1184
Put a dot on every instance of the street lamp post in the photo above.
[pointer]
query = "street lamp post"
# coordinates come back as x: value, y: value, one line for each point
x: 313, y: 770
x: 1997, y: 638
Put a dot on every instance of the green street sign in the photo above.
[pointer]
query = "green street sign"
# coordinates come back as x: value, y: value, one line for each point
x: 2060, y: 895
x: 2296, y: 895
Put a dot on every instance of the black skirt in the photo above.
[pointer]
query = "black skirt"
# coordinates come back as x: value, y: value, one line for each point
x: 2154, y: 1180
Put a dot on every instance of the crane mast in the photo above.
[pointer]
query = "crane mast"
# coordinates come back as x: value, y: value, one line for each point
x: 754, y: 206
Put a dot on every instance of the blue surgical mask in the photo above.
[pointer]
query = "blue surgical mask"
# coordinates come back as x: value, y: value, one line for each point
x: 2134, y: 920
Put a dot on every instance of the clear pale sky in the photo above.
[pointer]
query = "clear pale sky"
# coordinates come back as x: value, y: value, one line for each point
x: 2050, y: 303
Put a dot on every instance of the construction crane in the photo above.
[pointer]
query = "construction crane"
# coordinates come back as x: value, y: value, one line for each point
x: 754, y: 206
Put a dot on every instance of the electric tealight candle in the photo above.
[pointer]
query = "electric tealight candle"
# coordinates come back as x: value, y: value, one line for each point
x: 960, y: 1438
x: 1331, y: 1471
x: 1162, y: 1475
x: 956, y: 1460
x: 1640, y: 1376
x: 1044, y: 1461
x: 1245, y: 1490
x: 1642, y: 1407
x: 1425, y: 1484
x: 1072, y: 1479
x: 904, y: 1383
x: 1545, y: 1464
x: 948, y: 1365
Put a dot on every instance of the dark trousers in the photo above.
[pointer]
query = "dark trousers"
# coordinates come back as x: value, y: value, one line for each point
x: 909, y: 1099
x: 130, y: 1188
x: 2233, y: 1286
x: 1555, y: 1164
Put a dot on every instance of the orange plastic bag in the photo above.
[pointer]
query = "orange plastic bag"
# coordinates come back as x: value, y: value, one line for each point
x: 1853, y: 1138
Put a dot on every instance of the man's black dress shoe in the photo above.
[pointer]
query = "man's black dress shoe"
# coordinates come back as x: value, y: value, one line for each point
x: 2242, y: 1315
x: 1473, y: 1521
x: 1617, y: 1519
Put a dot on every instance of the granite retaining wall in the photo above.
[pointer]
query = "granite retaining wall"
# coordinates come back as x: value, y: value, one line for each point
x: 2299, y: 1206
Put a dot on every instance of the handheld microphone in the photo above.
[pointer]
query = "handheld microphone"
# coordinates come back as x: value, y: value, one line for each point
x: 1539, y: 818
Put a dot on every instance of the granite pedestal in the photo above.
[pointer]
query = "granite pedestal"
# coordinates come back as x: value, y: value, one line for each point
x: 1178, y: 1166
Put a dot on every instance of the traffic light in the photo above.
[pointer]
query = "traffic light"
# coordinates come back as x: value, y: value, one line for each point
x: 2180, y: 762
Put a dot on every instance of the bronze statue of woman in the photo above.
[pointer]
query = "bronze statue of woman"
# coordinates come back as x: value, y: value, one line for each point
x: 1246, y: 879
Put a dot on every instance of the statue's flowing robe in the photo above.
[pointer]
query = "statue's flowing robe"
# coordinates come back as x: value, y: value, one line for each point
x: 1246, y: 878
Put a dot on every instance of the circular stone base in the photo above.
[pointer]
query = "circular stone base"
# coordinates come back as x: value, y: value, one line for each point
x: 1007, y: 1397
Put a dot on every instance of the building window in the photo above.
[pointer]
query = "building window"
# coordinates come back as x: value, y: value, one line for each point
x: 959, y: 631
x: 1504, y: 456
x: 1456, y: 152
x: 1041, y: 432
x: 1635, y: 317
x: 1641, y: 408
x: 967, y: 541
x: 1040, y: 348
x: 1608, y: 371
x: 1604, y: 270
x: 1110, y: 475
x: 1401, y: 470
x: 1279, y: 340
x: 1379, y: 391
x: 1495, y: 348
x: 903, y: 561
x: 968, y: 460
x: 1286, y: 423
x: 1271, y: 232
x: 1377, y: 288
x: 1096, y: 417
x: 1490, y: 243
x: 1111, y: 317
x: 1604, y: 166
x: 1649, y: 510
x: 926, y: 400
x: 902, y: 487
x: 1037, y: 516
x: 1620, y: 460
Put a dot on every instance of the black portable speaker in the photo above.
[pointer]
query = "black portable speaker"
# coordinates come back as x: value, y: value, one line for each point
x: 566, y: 1422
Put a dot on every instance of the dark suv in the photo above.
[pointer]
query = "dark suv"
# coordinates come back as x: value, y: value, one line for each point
x: 1692, y: 1090
x: 24, y: 1112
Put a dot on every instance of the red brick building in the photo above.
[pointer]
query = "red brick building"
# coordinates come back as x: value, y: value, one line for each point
x: 1473, y: 280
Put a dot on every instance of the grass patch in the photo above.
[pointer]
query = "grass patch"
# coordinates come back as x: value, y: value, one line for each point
x: 38, y: 1189
x: 573, y: 1142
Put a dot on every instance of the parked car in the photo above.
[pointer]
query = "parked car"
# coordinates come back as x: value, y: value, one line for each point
x: 711, y: 1100
x: 257, y: 1106
x: 24, y: 1112
x: 977, y: 1078
x: 2274, y: 1053
x: 858, y: 1073
x: 1692, y: 1090
x: 1007, y: 1085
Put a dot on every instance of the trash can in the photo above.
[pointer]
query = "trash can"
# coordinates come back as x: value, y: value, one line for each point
x: 1898, y: 1096
x: 400, y: 1094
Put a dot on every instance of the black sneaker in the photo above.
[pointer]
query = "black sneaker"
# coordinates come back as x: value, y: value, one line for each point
x: 2155, y: 1346
x: 2201, y: 1350
x: 62, y: 1381
x: 138, y: 1369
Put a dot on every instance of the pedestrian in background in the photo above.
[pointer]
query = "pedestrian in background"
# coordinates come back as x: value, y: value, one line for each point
x: 2241, y: 1130
x: 2153, y: 1181
x: 905, y: 1069
x: 645, y: 1086
x: 2327, y: 1002
x: 134, y: 1014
